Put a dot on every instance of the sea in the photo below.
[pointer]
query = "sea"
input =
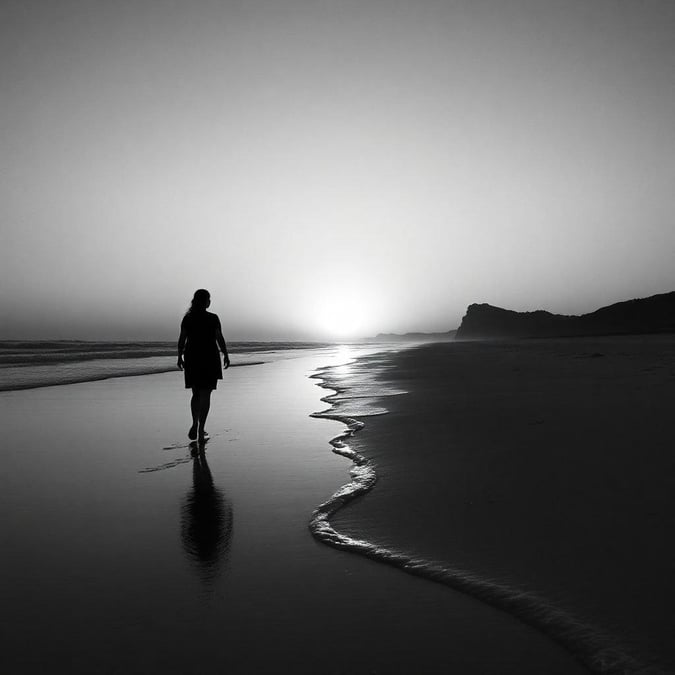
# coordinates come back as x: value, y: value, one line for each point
x: 30, y: 364
x: 125, y: 550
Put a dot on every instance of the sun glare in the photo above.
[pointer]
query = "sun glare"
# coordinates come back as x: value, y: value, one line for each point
x: 341, y: 316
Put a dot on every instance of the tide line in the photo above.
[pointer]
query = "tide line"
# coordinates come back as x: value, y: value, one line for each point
x: 595, y: 649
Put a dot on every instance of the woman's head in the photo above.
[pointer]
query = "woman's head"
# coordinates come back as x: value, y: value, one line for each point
x: 200, y: 301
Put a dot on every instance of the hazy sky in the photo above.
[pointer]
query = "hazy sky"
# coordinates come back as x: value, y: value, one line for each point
x: 330, y: 168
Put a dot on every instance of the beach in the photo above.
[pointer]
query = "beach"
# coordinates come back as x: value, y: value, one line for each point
x: 386, y: 231
x: 536, y: 466
x: 123, y: 552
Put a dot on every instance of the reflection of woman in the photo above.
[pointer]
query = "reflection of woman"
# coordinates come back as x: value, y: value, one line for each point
x: 200, y: 337
x: 206, y: 520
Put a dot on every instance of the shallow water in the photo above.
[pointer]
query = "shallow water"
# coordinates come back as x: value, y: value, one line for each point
x: 121, y: 552
x: 26, y: 365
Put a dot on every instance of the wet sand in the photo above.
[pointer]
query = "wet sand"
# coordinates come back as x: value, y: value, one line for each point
x: 546, y: 465
x: 121, y: 556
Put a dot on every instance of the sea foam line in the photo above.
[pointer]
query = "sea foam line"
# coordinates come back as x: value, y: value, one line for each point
x: 18, y: 378
x: 595, y: 649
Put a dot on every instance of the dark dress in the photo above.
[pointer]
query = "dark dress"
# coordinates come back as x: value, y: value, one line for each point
x: 201, y: 358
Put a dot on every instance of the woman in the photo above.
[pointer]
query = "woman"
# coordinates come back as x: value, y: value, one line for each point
x: 200, y: 337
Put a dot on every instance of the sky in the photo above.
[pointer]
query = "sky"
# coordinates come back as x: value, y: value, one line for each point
x: 330, y: 168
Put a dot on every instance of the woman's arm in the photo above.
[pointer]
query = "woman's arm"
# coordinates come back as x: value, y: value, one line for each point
x: 181, y: 347
x: 223, y: 347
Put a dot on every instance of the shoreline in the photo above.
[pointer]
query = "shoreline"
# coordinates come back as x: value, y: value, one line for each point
x: 592, y: 646
x: 31, y: 366
x: 99, y: 378
x: 362, y: 473
x: 217, y: 550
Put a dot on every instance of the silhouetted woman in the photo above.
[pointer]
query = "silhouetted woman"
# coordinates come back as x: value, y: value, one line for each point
x: 200, y: 337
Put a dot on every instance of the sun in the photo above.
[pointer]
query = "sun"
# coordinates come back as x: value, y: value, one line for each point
x: 341, y: 315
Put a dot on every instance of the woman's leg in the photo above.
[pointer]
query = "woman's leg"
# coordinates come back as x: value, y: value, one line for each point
x: 194, y: 407
x: 204, y: 406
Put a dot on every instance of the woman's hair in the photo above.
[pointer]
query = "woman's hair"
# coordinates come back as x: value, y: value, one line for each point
x: 200, y: 301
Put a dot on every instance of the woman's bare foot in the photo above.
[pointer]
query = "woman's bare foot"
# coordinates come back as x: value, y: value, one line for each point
x: 192, y: 434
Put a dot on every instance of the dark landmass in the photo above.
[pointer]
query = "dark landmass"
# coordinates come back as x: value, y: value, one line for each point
x: 655, y: 314
x: 414, y: 337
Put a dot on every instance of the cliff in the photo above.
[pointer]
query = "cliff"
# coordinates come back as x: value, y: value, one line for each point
x: 655, y: 314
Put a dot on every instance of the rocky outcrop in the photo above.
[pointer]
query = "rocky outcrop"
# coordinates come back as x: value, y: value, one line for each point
x: 655, y: 314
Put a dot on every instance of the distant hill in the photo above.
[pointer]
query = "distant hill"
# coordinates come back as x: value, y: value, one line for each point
x: 655, y: 314
x: 414, y: 337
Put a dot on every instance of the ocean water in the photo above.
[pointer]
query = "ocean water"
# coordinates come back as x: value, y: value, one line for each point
x: 115, y: 447
x: 126, y: 551
x: 29, y: 364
